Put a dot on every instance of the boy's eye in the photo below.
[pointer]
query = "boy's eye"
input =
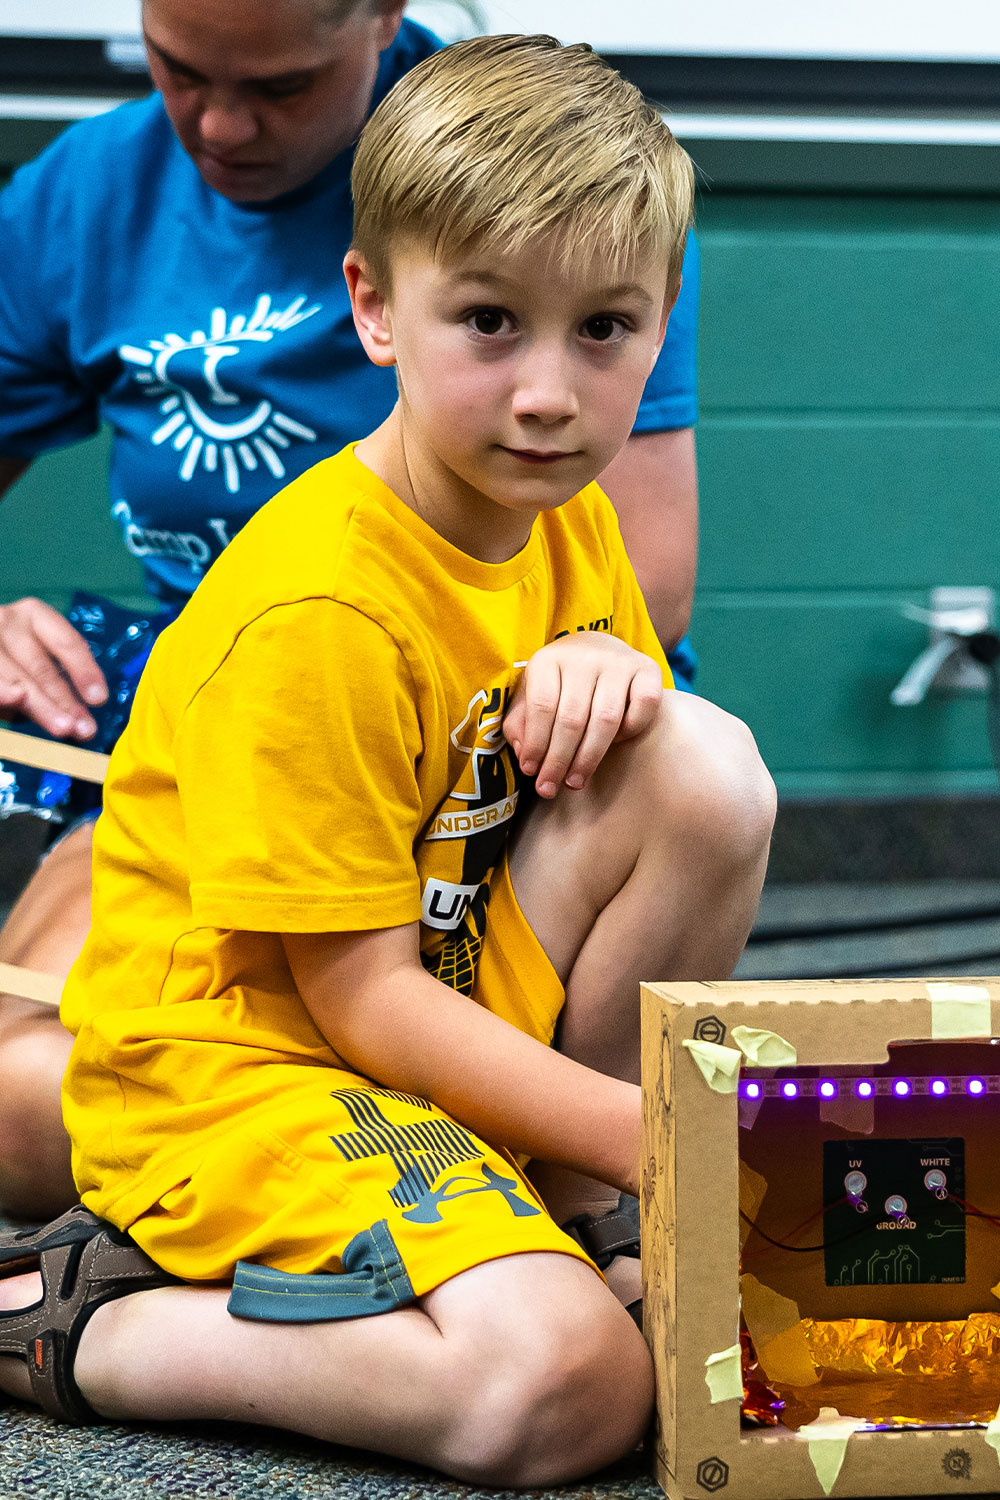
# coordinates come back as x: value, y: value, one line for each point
x: 602, y: 329
x: 488, y: 320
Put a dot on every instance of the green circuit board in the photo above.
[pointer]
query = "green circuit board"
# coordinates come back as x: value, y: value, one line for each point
x: 890, y: 1216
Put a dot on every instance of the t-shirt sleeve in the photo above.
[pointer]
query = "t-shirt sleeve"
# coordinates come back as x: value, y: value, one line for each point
x: 670, y: 399
x: 296, y: 771
x: 43, y: 403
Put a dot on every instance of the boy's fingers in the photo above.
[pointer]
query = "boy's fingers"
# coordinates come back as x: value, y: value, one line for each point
x: 645, y: 697
x: 541, y: 689
x: 513, y: 724
x: 568, y: 732
x: 606, y: 713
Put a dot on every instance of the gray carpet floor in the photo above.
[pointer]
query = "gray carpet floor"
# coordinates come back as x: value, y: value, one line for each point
x: 45, y: 1461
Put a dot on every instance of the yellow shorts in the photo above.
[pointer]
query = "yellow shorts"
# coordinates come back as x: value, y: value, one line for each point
x: 335, y: 1174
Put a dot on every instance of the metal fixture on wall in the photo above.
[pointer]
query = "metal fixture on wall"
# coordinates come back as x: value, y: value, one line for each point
x: 956, y: 617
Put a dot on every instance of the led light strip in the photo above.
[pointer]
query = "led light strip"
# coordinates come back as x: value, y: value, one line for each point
x: 937, y: 1085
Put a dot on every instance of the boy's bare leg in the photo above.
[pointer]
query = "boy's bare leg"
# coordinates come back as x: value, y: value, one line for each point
x: 522, y: 1371
x: 45, y: 931
x: 654, y: 871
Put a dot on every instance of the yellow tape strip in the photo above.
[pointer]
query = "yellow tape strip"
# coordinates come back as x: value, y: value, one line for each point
x: 719, y: 1066
x: 724, y: 1375
x: 778, y: 1336
x: 827, y: 1438
x: 29, y: 984
x: 959, y: 1010
x: 765, y: 1049
x: 752, y: 1187
x: 992, y: 1433
x: 53, y: 755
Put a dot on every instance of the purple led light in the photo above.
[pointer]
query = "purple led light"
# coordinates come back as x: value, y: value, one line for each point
x: 865, y: 1089
x: 790, y: 1090
x: 939, y: 1086
x: 828, y: 1089
x: 901, y: 1088
x: 751, y: 1091
x: 976, y: 1086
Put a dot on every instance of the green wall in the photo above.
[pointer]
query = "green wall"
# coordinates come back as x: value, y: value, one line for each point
x: 849, y: 449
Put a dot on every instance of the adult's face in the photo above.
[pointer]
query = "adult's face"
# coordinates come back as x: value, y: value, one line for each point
x: 264, y: 93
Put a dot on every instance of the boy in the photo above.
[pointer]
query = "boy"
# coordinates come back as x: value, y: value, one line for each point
x: 315, y: 1044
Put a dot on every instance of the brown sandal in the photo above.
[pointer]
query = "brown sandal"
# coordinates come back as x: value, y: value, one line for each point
x: 604, y: 1236
x: 84, y: 1262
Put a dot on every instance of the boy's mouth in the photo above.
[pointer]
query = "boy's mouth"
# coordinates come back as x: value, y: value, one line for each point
x: 537, y: 456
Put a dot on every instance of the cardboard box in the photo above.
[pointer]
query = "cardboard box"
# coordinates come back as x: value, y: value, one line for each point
x: 841, y: 1032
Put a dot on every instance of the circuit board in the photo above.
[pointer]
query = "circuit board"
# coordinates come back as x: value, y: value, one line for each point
x: 889, y: 1212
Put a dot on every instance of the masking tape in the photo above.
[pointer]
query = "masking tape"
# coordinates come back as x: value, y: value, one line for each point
x: 959, y: 1010
x: 52, y: 755
x: 724, y: 1375
x: 992, y: 1433
x: 751, y: 1195
x: 719, y: 1066
x: 777, y: 1333
x: 748, y: 1110
x: 765, y: 1049
x: 827, y: 1438
x: 849, y: 1112
x: 29, y: 984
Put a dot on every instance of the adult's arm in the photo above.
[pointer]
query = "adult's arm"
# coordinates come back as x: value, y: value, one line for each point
x: 390, y: 1020
x: 47, y: 670
x: 653, y: 485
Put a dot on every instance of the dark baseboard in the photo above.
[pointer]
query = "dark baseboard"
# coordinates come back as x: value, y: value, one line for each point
x: 908, y: 839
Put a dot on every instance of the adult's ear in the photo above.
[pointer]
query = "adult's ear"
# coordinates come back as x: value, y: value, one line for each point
x: 389, y: 14
x: 372, y: 317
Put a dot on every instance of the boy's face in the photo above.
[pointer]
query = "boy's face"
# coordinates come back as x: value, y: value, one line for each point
x: 519, y: 380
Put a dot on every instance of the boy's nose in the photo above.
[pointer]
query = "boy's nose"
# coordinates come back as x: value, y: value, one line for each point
x: 545, y: 389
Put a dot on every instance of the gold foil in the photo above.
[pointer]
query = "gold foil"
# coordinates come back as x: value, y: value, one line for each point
x: 900, y: 1374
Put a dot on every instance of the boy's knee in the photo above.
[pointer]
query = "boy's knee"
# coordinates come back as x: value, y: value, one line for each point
x: 714, y: 777
x: 35, y: 1178
x: 563, y: 1404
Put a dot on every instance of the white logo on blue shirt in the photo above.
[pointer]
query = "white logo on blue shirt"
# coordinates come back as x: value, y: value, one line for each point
x: 184, y: 376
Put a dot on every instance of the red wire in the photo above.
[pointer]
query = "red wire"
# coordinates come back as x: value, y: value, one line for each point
x: 970, y: 1208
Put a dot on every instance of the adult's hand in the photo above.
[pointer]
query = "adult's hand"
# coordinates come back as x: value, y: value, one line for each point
x: 47, y: 670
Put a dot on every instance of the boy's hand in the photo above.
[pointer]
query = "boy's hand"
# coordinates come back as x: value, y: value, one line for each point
x: 577, y: 697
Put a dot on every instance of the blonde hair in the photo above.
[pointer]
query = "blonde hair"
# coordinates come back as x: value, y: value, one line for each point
x: 501, y: 141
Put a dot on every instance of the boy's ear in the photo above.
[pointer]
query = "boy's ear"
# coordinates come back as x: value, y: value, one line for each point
x: 372, y: 317
x: 668, y: 307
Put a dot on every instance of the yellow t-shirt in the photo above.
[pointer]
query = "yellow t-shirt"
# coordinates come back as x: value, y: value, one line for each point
x: 315, y: 746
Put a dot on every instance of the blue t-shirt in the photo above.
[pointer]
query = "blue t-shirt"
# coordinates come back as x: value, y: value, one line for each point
x: 214, y: 337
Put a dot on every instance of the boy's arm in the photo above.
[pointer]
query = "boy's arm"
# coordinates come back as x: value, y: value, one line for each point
x: 393, y: 1022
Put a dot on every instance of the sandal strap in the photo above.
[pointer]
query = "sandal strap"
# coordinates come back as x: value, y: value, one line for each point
x: 84, y: 1262
x: 604, y: 1236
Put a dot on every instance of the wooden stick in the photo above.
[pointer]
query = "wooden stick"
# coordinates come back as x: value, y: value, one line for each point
x: 53, y: 755
x: 29, y: 984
